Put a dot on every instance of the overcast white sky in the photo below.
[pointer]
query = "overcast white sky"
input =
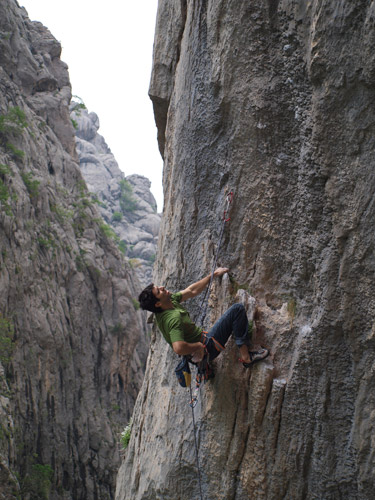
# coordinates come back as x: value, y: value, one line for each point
x: 108, y: 48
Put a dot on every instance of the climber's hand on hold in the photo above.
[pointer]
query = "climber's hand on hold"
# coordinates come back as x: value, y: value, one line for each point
x: 196, y: 288
x: 220, y: 271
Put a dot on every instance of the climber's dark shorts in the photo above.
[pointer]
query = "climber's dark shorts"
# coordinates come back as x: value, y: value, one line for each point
x: 234, y: 320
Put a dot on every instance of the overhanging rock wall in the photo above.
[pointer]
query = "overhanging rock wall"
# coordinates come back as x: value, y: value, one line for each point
x: 274, y: 100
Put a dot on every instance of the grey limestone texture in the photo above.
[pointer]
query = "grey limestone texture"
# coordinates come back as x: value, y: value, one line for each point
x: 70, y: 374
x: 138, y: 227
x: 274, y: 100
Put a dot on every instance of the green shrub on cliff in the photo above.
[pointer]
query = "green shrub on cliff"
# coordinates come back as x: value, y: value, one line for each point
x: 127, y: 200
x: 32, y: 186
x: 5, y: 171
x: 12, y: 124
x: 108, y: 232
x: 6, y: 339
x: 123, y: 247
x: 125, y: 435
x: 4, y: 196
x: 17, y: 153
x: 117, y: 217
x: 78, y: 106
x: 37, y: 484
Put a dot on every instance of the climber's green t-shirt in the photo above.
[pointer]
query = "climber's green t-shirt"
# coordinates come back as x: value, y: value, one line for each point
x: 175, y: 324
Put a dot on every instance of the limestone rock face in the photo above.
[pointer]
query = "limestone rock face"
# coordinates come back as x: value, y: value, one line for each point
x: 72, y: 342
x: 274, y: 100
x: 125, y: 203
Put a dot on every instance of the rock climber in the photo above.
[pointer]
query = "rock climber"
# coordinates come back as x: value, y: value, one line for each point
x: 185, y: 337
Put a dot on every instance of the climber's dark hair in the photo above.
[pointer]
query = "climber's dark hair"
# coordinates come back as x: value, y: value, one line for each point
x: 147, y: 300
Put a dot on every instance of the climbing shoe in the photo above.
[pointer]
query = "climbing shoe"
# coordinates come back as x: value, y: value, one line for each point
x: 256, y: 356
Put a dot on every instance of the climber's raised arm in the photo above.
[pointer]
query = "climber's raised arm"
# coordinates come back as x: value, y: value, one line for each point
x: 196, y: 288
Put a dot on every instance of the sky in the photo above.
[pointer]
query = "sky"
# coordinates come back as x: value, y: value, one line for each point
x: 108, y: 48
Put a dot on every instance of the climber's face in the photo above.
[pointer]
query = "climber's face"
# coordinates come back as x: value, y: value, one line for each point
x: 162, y: 294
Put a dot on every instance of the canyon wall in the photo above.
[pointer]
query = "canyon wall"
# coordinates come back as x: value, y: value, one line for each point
x: 274, y: 100
x: 125, y: 203
x: 72, y: 340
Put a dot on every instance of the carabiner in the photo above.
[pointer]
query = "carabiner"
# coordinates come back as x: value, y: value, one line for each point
x: 193, y: 402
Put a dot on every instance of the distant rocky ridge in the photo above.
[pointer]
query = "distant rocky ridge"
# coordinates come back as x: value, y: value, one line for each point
x: 126, y: 203
x: 73, y: 342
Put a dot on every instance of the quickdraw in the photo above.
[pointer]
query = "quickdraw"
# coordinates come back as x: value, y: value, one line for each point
x: 229, y: 201
x: 204, y: 373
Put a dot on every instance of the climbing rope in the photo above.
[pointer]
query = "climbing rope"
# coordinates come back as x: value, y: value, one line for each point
x: 202, y: 313
x: 196, y: 448
x: 204, y: 304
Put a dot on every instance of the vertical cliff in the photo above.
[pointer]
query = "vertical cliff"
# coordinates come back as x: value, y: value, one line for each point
x: 275, y: 100
x: 72, y: 343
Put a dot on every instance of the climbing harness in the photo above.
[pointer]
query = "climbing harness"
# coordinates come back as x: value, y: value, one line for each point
x: 204, y: 371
